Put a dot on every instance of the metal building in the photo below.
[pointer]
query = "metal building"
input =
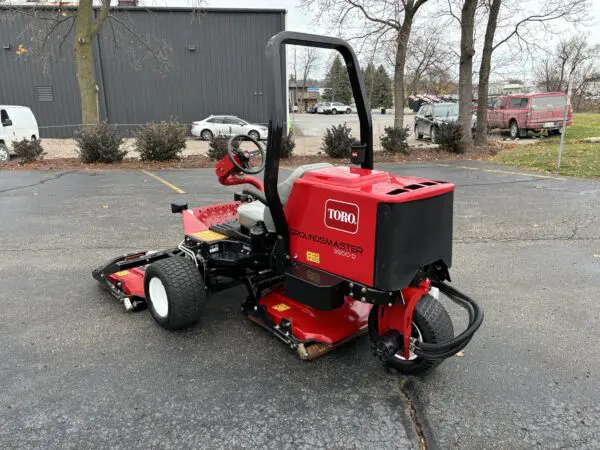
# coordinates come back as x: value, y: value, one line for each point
x: 200, y: 63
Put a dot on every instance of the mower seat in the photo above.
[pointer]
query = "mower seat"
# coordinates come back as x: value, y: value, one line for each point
x: 249, y: 214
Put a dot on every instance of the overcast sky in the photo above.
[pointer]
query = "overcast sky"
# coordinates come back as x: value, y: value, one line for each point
x: 297, y: 21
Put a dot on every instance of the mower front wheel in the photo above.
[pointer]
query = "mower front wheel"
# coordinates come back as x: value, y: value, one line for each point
x: 175, y: 292
x: 431, y: 324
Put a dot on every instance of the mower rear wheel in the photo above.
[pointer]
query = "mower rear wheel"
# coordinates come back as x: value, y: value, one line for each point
x: 431, y: 323
x: 175, y: 292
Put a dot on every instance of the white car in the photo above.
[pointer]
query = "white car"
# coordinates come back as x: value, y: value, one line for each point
x: 335, y: 108
x: 16, y: 123
x: 227, y: 126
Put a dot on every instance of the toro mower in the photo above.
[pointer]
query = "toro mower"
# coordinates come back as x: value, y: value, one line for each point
x: 326, y: 255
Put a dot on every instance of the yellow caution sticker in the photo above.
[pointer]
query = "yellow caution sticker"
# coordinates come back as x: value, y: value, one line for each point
x: 208, y: 236
x: 122, y: 273
x: 313, y: 257
x: 281, y: 307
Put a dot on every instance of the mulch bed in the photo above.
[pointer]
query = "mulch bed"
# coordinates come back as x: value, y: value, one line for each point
x: 192, y: 162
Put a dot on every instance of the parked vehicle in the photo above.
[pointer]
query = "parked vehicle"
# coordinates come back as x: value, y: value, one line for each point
x: 16, y: 123
x: 429, y: 118
x: 227, y: 126
x: 520, y: 113
x: 313, y: 109
x: 335, y: 108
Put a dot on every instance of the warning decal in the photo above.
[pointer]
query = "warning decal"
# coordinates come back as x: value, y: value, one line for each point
x: 208, y: 236
x: 281, y: 307
x: 313, y: 257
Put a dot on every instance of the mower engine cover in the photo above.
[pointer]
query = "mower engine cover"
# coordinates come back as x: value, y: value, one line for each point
x: 369, y: 226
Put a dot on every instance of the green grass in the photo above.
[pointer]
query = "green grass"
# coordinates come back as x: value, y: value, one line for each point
x: 579, y: 159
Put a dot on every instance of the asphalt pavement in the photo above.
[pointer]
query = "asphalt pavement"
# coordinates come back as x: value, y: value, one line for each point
x: 78, y: 372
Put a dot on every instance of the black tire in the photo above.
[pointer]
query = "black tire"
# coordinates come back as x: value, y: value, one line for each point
x: 334, y: 111
x: 418, y: 135
x: 431, y: 319
x: 184, y: 288
x: 513, y: 129
x: 254, y: 135
x: 349, y: 111
x: 4, y: 153
x: 207, y: 135
x: 555, y: 132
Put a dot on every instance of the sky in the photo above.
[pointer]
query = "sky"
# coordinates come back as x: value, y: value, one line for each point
x: 297, y: 21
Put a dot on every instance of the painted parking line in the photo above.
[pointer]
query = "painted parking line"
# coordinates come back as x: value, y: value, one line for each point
x: 508, y: 172
x: 165, y: 182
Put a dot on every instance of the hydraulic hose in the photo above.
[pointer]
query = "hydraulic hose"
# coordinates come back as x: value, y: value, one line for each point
x: 446, y: 349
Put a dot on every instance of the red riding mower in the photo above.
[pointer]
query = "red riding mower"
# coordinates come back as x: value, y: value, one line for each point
x: 327, y: 255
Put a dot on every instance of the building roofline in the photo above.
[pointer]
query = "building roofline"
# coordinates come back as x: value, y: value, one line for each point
x: 154, y: 8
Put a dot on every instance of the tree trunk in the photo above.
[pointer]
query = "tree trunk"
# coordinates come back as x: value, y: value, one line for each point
x: 484, y: 74
x: 403, y: 37
x: 465, y: 83
x: 84, y: 63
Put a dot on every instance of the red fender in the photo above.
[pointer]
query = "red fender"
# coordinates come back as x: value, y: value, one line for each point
x: 399, y: 316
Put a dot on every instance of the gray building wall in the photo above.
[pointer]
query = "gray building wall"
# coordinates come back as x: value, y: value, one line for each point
x: 214, y: 65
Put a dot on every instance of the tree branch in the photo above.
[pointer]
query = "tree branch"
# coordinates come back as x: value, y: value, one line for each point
x: 102, y: 18
x: 66, y: 35
x: 391, y: 22
x: 57, y: 23
x: 138, y: 38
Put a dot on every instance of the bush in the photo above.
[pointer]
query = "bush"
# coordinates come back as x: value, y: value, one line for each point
x: 217, y: 147
x: 449, y: 137
x: 288, y: 143
x: 160, y: 141
x: 29, y: 150
x: 99, y: 144
x: 337, y: 141
x: 394, y: 140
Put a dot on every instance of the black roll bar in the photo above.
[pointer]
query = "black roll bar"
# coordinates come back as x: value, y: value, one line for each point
x: 278, y: 117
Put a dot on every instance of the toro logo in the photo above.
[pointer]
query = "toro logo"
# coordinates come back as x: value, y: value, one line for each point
x: 341, y: 216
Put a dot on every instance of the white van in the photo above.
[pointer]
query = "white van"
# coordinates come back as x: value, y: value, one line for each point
x: 16, y: 123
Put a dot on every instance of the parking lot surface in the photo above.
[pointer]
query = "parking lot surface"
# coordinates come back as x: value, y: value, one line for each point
x: 78, y: 372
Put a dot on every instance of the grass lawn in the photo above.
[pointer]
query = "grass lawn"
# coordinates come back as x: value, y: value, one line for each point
x: 579, y: 159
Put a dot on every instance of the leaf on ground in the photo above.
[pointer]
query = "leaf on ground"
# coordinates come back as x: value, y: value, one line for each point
x: 460, y: 354
x: 105, y: 206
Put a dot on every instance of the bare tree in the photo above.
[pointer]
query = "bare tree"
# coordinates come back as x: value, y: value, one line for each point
x: 523, y: 27
x: 429, y: 53
x: 574, y: 62
x: 377, y: 19
x: 465, y: 71
x: 309, y: 59
x: 50, y: 27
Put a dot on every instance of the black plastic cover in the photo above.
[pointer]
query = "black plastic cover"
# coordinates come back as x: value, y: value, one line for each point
x: 314, y: 288
x: 411, y: 235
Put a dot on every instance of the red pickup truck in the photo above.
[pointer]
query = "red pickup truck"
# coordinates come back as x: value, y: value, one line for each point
x: 520, y: 113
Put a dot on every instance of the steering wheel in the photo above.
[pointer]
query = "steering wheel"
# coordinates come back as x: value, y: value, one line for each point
x: 242, y: 159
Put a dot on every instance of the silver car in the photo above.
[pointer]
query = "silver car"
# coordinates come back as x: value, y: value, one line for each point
x: 335, y: 108
x: 227, y: 126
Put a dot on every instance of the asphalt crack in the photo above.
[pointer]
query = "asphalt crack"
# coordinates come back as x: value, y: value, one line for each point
x: 39, y: 183
x: 405, y: 387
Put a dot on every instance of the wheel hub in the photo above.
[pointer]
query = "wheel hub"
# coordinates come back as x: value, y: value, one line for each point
x: 158, y: 297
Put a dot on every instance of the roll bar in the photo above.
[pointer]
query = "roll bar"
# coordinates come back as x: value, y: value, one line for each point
x: 278, y: 116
